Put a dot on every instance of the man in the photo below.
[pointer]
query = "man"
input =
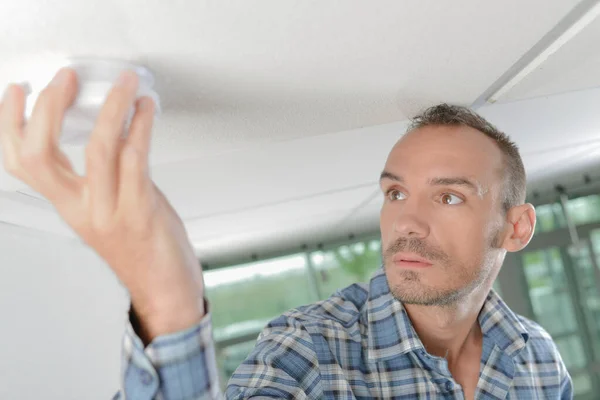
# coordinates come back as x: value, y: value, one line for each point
x: 426, y: 326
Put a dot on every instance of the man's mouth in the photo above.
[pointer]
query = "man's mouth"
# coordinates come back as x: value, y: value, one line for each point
x: 411, y: 260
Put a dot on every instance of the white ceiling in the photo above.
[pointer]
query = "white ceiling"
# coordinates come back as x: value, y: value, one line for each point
x: 278, y: 115
x: 574, y: 67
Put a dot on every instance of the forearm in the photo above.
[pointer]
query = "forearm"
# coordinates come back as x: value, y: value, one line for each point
x: 171, y: 316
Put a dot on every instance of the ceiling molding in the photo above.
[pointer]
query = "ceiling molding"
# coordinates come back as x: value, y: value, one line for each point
x: 575, y: 21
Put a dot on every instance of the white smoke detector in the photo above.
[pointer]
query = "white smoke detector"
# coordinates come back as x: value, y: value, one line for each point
x: 96, y: 77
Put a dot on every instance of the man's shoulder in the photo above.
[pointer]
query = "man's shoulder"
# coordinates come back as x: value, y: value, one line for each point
x: 292, y: 348
x: 341, y: 311
x: 542, y: 363
x: 344, y: 306
x: 536, y: 332
x: 540, y: 343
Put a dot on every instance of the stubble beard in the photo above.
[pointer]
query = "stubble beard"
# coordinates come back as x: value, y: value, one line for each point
x: 408, y: 286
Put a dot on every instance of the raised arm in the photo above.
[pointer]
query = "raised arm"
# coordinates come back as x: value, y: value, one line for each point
x: 168, y: 351
x: 115, y: 208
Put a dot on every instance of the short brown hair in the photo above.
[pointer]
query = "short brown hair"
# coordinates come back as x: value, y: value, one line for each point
x: 453, y: 115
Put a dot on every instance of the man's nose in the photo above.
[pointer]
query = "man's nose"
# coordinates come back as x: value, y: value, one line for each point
x: 411, y: 222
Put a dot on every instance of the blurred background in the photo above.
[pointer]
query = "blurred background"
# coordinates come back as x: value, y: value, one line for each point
x: 277, y: 117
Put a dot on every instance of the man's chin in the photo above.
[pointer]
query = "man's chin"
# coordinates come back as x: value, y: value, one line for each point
x: 417, y: 294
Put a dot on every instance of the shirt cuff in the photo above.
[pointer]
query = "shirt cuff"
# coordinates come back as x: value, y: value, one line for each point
x: 181, y: 365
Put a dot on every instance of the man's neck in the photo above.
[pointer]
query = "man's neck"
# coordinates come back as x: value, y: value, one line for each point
x: 449, y: 331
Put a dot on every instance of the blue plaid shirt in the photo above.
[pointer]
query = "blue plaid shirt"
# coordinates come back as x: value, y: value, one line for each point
x: 358, y: 344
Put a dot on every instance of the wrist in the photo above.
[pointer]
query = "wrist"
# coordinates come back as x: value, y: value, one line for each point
x: 167, y: 314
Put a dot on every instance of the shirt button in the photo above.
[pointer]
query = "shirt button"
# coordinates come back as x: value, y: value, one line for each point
x: 145, y: 377
x: 449, y: 386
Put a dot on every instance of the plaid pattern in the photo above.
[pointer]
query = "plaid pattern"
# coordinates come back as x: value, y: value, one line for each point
x: 358, y: 344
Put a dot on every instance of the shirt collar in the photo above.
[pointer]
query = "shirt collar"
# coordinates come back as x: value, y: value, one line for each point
x: 390, y: 332
x: 499, y: 323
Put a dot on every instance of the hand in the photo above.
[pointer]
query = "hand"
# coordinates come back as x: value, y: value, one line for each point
x: 116, y: 208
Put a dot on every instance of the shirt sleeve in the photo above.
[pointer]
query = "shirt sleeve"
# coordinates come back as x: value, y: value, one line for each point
x: 177, y: 366
x: 182, y: 366
x: 566, y: 383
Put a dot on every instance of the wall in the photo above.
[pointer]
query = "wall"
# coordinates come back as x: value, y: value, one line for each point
x: 62, y: 313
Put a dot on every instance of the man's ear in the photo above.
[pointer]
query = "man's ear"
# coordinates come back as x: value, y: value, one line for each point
x: 520, y: 221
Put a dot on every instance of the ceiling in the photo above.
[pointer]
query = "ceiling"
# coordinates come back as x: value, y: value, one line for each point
x: 278, y: 114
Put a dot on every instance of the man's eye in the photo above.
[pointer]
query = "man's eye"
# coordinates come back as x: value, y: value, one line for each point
x: 395, y: 194
x: 450, y: 199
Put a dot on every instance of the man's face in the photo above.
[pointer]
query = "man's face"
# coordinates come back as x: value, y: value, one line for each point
x: 442, y: 215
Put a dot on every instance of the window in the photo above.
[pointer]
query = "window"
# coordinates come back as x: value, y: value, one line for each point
x: 496, y: 287
x: 554, y: 309
x: 583, y: 210
x: 345, y: 265
x: 552, y: 305
x: 244, y: 298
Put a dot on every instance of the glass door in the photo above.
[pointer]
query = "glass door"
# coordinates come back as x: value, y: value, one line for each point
x: 586, y: 272
x: 563, y: 284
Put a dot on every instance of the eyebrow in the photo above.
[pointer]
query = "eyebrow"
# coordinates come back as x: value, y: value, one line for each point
x: 471, y: 184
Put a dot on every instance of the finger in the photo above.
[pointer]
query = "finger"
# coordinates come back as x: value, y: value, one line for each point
x: 44, y: 127
x: 39, y: 155
x: 12, y: 118
x: 134, y: 178
x: 103, y: 150
x: 140, y: 131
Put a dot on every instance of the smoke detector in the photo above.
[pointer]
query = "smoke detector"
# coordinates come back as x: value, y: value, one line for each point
x: 96, y: 77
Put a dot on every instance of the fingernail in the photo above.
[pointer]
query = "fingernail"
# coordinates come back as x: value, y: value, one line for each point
x: 24, y: 85
x: 26, y: 88
x: 144, y: 103
x: 60, y: 78
x: 125, y: 78
x: 6, y: 93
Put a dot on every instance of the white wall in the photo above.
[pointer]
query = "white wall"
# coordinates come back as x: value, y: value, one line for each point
x: 62, y: 313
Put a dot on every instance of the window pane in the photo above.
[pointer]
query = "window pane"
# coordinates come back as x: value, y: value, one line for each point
x: 345, y: 265
x: 230, y: 357
x: 595, y: 241
x: 244, y: 298
x: 552, y: 305
x: 497, y: 289
x: 554, y: 309
x: 571, y: 351
x: 588, y: 289
x: 584, y: 210
x: 582, y: 384
x: 546, y: 219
